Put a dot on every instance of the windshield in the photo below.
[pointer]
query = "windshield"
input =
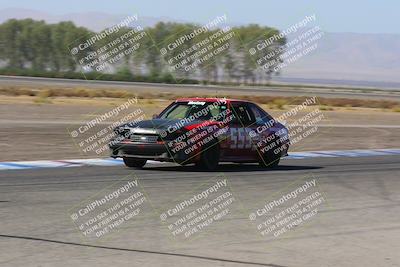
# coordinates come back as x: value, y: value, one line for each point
x: 199, y: 110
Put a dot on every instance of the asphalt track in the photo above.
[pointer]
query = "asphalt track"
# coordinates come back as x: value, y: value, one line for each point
x: 338, y: 92
x: 358, y: 226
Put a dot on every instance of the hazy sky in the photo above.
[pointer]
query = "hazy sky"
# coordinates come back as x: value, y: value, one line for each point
x: 361, y: 16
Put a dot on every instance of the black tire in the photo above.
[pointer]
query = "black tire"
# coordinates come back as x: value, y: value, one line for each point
x: 270, y: 160
x: 134, y: 163
x: 209, y: 158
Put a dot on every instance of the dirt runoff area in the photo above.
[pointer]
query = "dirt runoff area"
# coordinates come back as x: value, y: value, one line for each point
x: 34, y: 130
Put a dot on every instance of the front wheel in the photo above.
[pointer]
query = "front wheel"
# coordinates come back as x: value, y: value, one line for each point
x: 134, y: 163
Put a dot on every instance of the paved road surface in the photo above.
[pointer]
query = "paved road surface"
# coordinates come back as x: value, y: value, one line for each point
x: 357, y: 226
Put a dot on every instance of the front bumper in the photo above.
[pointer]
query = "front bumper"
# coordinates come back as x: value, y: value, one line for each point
x: 138, y: 150
x: 285, y: 150
x: 158, y: 152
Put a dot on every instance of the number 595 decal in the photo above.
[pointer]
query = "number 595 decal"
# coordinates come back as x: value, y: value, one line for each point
x: 240, y: 138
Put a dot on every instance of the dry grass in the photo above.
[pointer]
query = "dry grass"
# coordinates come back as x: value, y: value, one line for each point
x: 44, y: 95
x: 65, y: 92
x: 326, y: 108
x: 278, y: 103
x: 42, y: 100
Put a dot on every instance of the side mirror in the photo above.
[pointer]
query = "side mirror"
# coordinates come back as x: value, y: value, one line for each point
x: 155, y: 116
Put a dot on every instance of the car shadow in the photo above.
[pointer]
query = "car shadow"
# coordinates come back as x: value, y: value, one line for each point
x: 232, y: 168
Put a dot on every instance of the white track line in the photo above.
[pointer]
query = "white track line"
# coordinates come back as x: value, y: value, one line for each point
x: 18, y: 165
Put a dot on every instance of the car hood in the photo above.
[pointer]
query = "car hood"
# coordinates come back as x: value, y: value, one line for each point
x: 161, y: 124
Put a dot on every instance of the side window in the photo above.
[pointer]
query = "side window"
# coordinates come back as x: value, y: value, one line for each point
x: 243, y: 115
x: 260, y: 115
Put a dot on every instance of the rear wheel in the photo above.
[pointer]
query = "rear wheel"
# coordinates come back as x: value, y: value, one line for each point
x: 270, y: 159
x: 209, y: 158
x: 134, y: 163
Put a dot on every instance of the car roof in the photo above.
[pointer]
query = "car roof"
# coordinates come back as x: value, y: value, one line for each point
x: 209, y: 99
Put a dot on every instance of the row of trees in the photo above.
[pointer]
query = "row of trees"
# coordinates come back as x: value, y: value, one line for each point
x: 34, y: 45
x: 37, y: 45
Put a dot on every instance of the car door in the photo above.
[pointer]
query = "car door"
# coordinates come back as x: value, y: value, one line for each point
x: 264, y: 129
x: 239, y: 141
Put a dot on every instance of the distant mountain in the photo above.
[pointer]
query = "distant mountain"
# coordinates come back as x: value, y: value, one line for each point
x: 351, y: 56
x: 339, y: 56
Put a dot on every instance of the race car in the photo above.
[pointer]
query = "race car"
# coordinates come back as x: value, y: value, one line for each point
x: 203, y: 131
